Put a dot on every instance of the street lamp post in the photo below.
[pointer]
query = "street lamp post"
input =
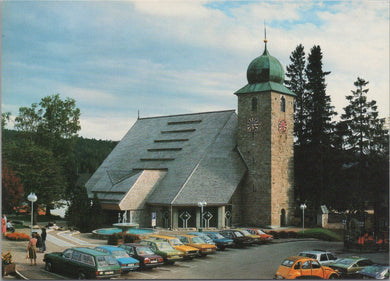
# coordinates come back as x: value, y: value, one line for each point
x: 303, y: 207
x: 32, y: 198
x: 201, y: 204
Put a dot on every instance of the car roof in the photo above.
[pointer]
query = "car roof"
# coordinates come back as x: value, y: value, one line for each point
x: 110, y: 248
x: 296, y: 258
x: 315, y: 252
x: 134, y: 244
x: 186, y: 235
x: 88, y: 251
x: 162, y: 236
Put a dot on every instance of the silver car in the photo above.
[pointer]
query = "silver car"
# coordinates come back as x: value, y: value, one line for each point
x: 323, y: 257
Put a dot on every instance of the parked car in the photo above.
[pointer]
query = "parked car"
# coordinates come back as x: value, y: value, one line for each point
x: 188, y: 251
x: 375, y: 271
x: 349, y: 266
x: 147, y: 258
x: 204, y: 236
x: 197, y: 242
x: 163, y: 249
x: 323, y: 257
x: 263, y: 236
x: 126, y: 262
x: 239, y: 239
x: 296, y: 267
x: 82, y: 263
x: 256, y: 238
x: 220, y: 241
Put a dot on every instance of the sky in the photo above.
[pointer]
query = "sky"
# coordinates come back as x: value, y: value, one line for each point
x: 118, y: 59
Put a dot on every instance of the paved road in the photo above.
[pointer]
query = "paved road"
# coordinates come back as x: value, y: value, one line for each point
x: 255, y: 262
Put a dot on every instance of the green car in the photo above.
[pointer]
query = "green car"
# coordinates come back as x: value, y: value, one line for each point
x: 348, y: 267
x: 83, y: 263
x: 163, y: 249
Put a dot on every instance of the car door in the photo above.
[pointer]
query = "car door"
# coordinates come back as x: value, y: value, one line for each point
x: 61, y: 265
x: 306, y: 269
x: 324, y: 259
x: 316, y: 270
x: 331, y: 258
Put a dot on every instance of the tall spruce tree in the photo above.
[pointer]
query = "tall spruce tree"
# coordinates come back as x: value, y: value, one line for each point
x: 319, y: 128
x: 296, y: 82
x: 366, y: 141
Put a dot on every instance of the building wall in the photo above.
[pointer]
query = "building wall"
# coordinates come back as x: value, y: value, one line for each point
x: 267, y: 188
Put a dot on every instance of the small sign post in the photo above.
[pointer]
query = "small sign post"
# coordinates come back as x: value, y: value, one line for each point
x: 153, y: 219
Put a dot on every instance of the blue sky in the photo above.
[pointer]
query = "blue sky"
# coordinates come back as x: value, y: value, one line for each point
x: 172, y: 57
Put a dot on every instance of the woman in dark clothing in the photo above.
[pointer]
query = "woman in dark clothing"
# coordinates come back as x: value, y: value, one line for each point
x: 43, y: 236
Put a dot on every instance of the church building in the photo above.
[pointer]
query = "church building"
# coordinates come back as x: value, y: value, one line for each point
x: 239, y: 164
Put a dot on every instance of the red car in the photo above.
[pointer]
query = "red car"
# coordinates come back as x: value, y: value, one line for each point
x: 263, y: 236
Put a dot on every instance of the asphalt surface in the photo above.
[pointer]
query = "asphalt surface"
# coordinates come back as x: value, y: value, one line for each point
x: 255, y: 262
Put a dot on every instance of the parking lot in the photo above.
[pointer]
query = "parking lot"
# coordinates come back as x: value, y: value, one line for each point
x: 254, y: 262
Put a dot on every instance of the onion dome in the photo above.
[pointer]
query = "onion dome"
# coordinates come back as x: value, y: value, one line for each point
x: 265, y: 68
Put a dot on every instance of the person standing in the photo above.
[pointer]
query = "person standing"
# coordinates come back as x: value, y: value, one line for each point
x: 32, y: 250
x: 3, y: 224
x: 43, y: 236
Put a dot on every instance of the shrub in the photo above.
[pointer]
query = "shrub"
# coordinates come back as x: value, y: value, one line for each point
x: 283, y: 234
x: 17, y: 236
x: 6, y: 258
x: 131, y: 238
x: 274, y: 234
x: 292, y: 234
x: 113, y: 239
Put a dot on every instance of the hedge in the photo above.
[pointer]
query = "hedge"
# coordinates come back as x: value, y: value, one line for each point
x: 17, y: 236
x: 320, y: 233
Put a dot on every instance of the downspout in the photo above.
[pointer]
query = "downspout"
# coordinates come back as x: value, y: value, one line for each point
x: 171, y: 217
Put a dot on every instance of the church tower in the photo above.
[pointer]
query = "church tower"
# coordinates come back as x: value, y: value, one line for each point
x: 265, y: 141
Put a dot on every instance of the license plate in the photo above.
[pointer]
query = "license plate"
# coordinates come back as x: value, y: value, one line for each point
x: 209, y: 250
x: 153, y: 261
x: 109, y: 272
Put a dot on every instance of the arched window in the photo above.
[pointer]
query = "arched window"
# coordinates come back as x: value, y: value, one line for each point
x: 254, y: 104
x: 282, y: 104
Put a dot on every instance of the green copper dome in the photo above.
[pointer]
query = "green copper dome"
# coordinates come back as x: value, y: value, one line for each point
x: 265, y: 68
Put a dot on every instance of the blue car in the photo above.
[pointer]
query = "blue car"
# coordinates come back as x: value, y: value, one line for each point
x: 204, y: 236
x: 126, y: 262
x: 220, y: 241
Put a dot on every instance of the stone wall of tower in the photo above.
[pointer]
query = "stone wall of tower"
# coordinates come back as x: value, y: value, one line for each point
x: 267, y: 189
x: 282, y: 159
x: 256, y: 149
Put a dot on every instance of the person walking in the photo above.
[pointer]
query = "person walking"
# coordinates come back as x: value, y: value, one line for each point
x: 32, y: 250
x: 3, y: 224
x: 43, y: 236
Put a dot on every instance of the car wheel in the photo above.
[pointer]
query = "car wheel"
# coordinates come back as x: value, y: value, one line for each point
x: 82, y: 275
x: 48, y: 266
x: 333, y: 276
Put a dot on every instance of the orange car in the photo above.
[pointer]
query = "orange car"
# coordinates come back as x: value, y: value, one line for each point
x: 188, y: 251
x: 296, y: 267
x: 199, y: 243
x: 263, y: 236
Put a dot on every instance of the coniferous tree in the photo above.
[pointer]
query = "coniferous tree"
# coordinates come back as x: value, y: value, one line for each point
x: 319, y: 128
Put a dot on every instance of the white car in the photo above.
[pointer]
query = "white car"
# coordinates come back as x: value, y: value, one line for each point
x: 323, y: 257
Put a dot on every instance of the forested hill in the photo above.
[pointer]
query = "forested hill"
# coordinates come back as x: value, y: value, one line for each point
x: 89, y: 153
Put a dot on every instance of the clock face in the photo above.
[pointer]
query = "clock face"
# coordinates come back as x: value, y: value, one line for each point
x: 282, y: 126
x: 253, y: 124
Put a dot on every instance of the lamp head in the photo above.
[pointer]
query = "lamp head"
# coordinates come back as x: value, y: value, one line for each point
x: 32, y: 197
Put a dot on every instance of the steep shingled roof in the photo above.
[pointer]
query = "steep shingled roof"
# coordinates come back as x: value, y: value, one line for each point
x: 197, y: 151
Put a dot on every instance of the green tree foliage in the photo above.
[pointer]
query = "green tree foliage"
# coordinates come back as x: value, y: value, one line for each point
x: 296, y: 82
x: 12, y: 190
x: 5, y: 116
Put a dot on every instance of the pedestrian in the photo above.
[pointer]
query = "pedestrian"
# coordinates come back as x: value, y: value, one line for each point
x: 32, y: 250
x: 10, y: 227
x: 3, y: 225
x: 43, y: 236
x: 39, y: 241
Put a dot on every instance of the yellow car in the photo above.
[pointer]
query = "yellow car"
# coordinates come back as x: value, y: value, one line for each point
x: 197, y: 242
x: 255, y: 238
x: 296, y: 267
x: 189, y: 252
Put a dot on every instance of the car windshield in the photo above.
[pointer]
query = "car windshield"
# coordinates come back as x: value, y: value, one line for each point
x: 238, y: 234
x: 245, y: 232
x: 287, y: 263
x: 176, y: 242
x: 307, y: 255
x: 165, y: 246
x: 197, y: 240
x: 345, y: 261
x: 106, y: 260
x: 261, y: 232
x: 219, y: 236
x: 120, y: 254
x: 144, y: 251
